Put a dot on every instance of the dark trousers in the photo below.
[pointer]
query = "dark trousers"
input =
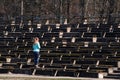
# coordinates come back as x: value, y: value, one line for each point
x: 36, y: 57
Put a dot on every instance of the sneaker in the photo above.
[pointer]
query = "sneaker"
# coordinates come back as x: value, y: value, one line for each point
x: 37, y: 66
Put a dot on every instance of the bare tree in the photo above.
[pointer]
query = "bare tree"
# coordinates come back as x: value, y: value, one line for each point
x: 73, y: 10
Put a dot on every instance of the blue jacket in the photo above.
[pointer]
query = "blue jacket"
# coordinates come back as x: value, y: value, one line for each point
x: 36, y: 47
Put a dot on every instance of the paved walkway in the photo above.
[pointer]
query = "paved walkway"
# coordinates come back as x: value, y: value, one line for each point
x: 34, y: 77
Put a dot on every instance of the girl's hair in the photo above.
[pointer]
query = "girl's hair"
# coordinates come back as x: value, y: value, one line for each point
x: 36, y: 39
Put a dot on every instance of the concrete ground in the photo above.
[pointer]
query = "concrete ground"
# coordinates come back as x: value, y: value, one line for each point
x: 34, y: 77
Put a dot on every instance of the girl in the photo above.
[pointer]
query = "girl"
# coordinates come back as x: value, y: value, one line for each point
x: 36, y: 49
